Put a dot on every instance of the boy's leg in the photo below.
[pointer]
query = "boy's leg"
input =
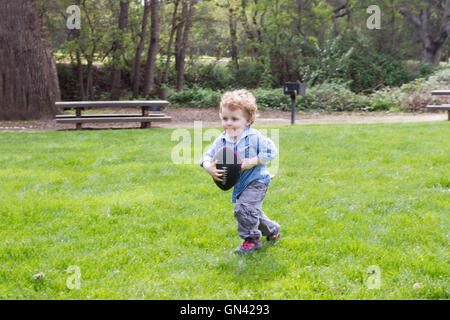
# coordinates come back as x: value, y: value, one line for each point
x: 247, y: 210
x: 266, y: 226
x: 252, y: 222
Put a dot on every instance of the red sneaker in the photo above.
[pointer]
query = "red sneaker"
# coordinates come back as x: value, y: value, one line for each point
x: 273, y: 238
x: 249, y: 245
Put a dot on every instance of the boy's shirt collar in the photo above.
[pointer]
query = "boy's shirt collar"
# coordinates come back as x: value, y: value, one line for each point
x: 247, y: 132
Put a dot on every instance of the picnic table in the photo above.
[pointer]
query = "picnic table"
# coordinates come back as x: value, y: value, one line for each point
x: 440, y: 106
x: 145, y: 117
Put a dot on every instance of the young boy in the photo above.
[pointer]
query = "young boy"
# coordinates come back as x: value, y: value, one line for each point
x: 237, y: 112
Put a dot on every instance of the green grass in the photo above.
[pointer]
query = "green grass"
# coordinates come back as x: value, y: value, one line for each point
x: 139, y: 227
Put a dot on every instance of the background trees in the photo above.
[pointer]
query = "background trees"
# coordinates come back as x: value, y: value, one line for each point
x: 142, y: 47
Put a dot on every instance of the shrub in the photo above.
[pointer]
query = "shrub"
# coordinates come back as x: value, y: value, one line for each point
x: 331, y: 96
x: 271, y: 99
x: 415, y: 95
x: 355, y: 62
x: 382, y: 100
x: 210, y: 75
x: 195, y: 97
x: 328, y: 63
x: 267, y: 99
x: 419, y: 69
x: 249, y: 74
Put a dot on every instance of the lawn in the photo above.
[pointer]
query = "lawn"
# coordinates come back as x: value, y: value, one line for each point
x: 110, y: 207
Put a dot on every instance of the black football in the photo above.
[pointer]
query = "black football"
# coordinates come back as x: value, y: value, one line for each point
x: 229, y: 161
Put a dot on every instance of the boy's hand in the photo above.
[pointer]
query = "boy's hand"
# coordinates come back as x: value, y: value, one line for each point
x: 249, y: 163
x: 213, y: 171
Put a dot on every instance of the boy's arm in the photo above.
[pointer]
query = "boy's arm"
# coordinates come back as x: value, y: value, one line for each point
x: 249, y: 163
x: 267, y: 152
x: 267, y: 149
x: 206, y: 158
x: 206, y: 161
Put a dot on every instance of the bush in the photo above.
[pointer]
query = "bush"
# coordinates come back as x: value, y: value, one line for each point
x: 370, y: 71
x: 267, y: 99
x: 419, y: 69
x: 326, y: 64
x: 272, y: 99
x: 211, y: 75
x: 195, y: 97
x: 382, y: 100
x: 249, y: 75
x: 415, y: 95
x: 354, y: 62
x: 331, y: 96
x: 67, y: 82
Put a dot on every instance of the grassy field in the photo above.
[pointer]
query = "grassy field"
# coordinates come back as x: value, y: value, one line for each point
x: 111, y: 207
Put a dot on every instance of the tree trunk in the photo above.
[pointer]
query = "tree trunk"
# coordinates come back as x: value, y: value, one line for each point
x: 179, y: 67
x: 28, y: 78
x: 165, y: 77
x: 184, y: 44
x: 299, y: 21
x: 139, y: 50
x: 252, y: 38
x: 117, y: 51
x: 89, y: 80
x: 80, y: 75
x: 431, y: 46
x: 153, y: 48
x: 233, y: 37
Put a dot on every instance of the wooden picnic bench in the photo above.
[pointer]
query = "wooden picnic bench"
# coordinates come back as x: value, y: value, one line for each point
x: 145, y: 117
x: 440, y: 106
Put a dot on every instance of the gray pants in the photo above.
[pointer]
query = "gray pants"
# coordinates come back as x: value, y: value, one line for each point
x: 251, y: 220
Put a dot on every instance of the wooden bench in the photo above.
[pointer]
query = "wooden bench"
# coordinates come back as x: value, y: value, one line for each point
x: 440, y: 106
x: 145, y: 117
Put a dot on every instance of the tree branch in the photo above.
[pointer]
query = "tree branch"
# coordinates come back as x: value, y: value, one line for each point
x: 410, y: 16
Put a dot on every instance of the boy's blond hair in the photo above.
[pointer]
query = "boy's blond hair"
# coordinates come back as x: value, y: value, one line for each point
x: 240, y: 99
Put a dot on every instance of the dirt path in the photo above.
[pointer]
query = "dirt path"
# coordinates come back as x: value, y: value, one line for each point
x: 185, y: 117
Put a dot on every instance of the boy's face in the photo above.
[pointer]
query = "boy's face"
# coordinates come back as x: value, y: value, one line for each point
x: 234, y: 122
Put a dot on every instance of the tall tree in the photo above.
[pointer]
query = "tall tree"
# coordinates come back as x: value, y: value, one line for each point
x: 139, y: 50
x: 174, y: 27
x: 153, y: 49
x: 233, y: 37
x: 118, y: 50
x: 432, y: 44
x: 232, y: 8
x: 252, y: 30
x: 298, y: 23
x: 182, y: 39
x: 28, y: 79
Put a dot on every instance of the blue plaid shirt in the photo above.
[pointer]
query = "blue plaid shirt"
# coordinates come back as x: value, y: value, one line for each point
x: 251, y: 143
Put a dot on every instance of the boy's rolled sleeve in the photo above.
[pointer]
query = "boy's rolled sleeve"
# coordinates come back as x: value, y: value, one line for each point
x: 208, y: 155
x: 267, y: 150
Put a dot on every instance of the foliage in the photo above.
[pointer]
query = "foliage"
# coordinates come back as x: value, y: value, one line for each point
x: 415, y: 95
x: 209, y: 75
x: 331, y: 96
x: 249, y: 74
x: 198, y: 97
x: 271, y: 99
x: 195, y: 97
x: 355, y: 62
x: 276, y: 43
x: 327, y: 63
